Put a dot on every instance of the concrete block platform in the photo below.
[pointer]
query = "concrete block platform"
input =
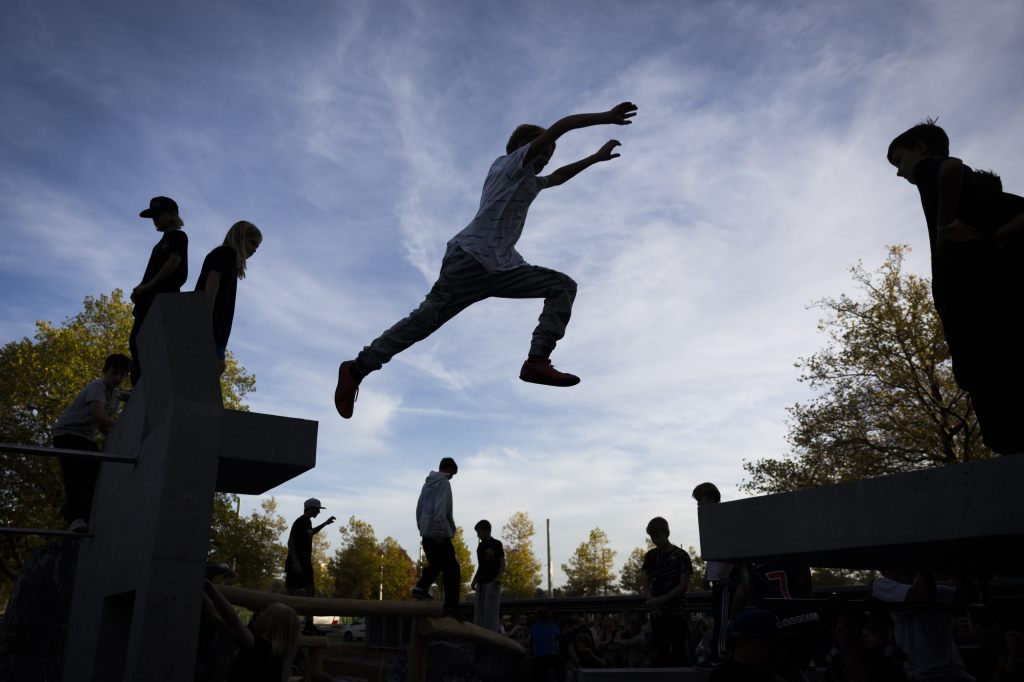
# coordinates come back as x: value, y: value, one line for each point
x: 964, y: 516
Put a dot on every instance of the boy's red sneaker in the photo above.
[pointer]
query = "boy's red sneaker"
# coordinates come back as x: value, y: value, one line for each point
x: 541, y: 371
x: 346, y: 391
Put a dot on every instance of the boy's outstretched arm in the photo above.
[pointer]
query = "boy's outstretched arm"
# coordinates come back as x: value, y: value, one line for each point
x: 617, y: 115
x: 564, y: 173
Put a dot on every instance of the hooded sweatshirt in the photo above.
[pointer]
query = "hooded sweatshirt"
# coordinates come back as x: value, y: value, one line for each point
x: 434, y: 509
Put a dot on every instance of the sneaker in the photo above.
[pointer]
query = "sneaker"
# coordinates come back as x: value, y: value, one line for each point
x: 421, y: 594
x: 541, y: 371
x: 79, y: 526
x: 347, y: 390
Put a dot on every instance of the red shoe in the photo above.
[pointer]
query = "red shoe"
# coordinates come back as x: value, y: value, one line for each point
x: 541, y: 371
x: 347, y: 390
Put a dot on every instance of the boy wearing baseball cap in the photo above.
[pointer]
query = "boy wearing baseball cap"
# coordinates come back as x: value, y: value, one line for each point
x: 166, y: 271
x: 298, y: 569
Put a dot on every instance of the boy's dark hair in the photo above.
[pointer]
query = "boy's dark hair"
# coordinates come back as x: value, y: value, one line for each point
x: 708, y: 490
x: 657, y: 524
x: 931, y: 135
x: 544, y: 614
x: 523, y: 134
x: 484, y: 524
x: 448, y: 464
x: 118, y: 361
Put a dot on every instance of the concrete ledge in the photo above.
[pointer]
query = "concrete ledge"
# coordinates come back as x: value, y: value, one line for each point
x: 951, y: 518
x: 261, y: 451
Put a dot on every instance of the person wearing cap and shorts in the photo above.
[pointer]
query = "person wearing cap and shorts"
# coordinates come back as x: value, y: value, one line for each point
x: 166, y: 271
x: 298, y: 568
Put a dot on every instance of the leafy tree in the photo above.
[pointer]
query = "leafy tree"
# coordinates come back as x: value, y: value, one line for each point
x: 631, y: 579
x: 522, y: 569
x: 250, y: 545
x: 399, y: 571
x: 590, y: 570
x: 322, y: 578
x: 698, y: 581
x: 362, y: 565
x: 887, y: 399
x: 465, y: 556
x: 39, y: 377
x: 355, y: 566
x: 829, y: 577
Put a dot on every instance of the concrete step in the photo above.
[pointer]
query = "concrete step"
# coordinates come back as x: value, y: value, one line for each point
x: 950, y: 518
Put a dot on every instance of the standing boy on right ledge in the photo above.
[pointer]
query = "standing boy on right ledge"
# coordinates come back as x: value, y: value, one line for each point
x: 975, y: 233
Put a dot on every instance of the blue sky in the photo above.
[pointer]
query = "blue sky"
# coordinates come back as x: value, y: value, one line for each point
x: 357, y: 136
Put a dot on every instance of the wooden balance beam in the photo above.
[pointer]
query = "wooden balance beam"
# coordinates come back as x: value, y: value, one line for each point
x: 429, y: 621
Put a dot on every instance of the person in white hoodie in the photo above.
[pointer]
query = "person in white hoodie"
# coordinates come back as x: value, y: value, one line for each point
x: 437, y: 527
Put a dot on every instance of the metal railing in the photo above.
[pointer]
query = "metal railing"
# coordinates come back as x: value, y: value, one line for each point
x: 62, y: 453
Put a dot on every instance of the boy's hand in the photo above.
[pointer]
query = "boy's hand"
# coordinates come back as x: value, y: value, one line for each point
x: 605, y: 152
x: 621, y: 113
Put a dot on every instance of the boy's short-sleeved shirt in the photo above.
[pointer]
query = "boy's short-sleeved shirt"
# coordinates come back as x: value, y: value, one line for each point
x: 301, y: 542
x: 489, y: 554
x: 961, y: 268
x: 665, y: 567
x: 509, y: 189
x: 224, y: 260
x: 173, y: 241
x: 76, y: 419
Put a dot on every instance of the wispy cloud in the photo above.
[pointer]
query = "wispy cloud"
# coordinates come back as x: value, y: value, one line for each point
x: 358, y: 135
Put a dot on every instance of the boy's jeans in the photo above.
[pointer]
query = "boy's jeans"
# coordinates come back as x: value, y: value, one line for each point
x: 463, y: 282
x: 486, y: 612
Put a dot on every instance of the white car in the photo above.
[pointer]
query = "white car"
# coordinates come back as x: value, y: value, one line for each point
x: 354, y: 630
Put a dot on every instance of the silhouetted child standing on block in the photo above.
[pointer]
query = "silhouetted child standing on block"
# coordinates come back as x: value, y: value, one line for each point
x: 166, y: 271
x: 222, y: 268
x: 77, y: 428
x: 974, y: 233
x: 481, y: 261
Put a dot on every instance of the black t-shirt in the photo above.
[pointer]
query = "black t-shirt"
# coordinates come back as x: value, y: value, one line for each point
x: 173, y: 241
x: 489, y: 554
x: 665, y: 567
x: 301, y: 542
x: 222, y: 259
x: 966, y: 269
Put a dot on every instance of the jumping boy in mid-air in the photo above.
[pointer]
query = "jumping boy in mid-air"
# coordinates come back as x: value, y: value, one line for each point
x: 975, y: 233
x: 481, y: 260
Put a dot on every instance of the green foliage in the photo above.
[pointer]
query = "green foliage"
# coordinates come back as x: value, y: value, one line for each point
x: 355, y: 566
x: 522, y: 569
x: 698, y: 581
x: 39, y: 377
x: 249, y: 544
x: 631, y: 579
x: 590, y: 570
x: 832, y: 577
x: 887, y: 399
x: 399, y: 571
x: 465, y: 556
x: 362, y: 565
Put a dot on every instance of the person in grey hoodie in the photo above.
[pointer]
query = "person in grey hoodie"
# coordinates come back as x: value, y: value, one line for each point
x: 437, y: 527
